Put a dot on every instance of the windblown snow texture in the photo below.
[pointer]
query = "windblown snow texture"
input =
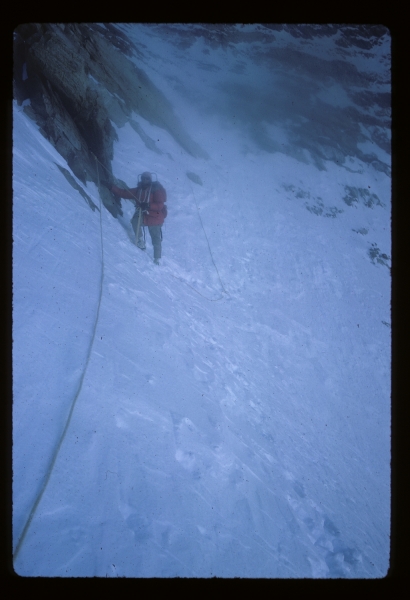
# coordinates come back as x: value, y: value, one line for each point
x: 234, y: 416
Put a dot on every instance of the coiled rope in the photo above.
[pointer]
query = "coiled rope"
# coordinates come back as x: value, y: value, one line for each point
x: 73, y: 403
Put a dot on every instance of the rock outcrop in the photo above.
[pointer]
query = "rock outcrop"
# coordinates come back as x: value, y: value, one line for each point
x: 75, y: 81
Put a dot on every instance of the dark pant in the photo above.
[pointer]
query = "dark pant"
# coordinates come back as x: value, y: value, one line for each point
x: 154, y: 231
x: 156, y: 237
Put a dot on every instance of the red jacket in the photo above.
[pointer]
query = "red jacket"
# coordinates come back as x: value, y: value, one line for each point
x: 154, y: 194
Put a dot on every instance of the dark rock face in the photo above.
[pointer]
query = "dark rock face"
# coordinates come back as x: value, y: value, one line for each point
x: 78, y: 83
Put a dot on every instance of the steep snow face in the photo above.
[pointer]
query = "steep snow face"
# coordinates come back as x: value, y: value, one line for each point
x: 314, y: 100
x: 231, y: 408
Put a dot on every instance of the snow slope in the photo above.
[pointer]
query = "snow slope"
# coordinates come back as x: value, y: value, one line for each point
x: 232, y: 406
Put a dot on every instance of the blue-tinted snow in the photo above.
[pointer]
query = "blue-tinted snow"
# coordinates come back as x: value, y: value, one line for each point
x: 244, y: 433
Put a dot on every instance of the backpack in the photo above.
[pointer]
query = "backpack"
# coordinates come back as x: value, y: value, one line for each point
x: 157, y: 186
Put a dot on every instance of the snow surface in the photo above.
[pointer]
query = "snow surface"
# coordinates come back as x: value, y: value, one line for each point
x: 232, y: 406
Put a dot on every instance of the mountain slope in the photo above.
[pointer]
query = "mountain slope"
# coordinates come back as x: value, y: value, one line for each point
x: 231, y: 409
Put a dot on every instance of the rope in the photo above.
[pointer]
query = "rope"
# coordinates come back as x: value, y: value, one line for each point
x: 207, y: 240
x: 57, y: 450
x: 209, y: 247
x: 68, y: 421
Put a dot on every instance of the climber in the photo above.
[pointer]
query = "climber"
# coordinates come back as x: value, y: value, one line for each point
x: 149, y: 198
